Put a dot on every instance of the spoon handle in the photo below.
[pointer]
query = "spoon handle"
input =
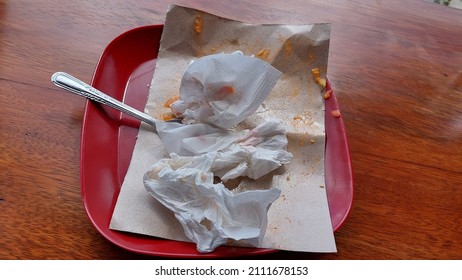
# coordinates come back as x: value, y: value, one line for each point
x: 74, y: 85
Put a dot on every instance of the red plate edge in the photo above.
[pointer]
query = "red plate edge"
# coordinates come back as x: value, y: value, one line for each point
x: 129, y: 57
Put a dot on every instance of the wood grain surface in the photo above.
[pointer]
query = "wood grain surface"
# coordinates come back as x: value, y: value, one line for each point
x: 395, y: 67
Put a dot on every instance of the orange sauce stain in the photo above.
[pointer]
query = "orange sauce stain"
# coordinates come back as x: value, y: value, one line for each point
x: 311, y: 58
x: 295, y: 93
x: 288, y: 48
x: 223, y: 92
x: 198, y: 24
x: 171, y: 100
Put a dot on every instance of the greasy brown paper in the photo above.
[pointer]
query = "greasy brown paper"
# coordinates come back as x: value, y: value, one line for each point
x: 299, y: 219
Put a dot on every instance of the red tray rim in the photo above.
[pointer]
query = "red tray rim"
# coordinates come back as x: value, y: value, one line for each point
x: 128, y: 241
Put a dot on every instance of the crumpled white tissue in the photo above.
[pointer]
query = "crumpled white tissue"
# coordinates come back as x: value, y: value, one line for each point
x: 224, y: 89
x: 252, y: 153
x: 217, y: 92
x: 209, y: 213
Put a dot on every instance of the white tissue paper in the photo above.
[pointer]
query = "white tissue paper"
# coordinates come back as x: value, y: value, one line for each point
x: 208, y: 212
x: 218, y: 92
x: 252, y: 153
x: 224, y: 89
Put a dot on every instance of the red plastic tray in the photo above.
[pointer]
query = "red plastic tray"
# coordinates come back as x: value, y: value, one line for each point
x: 124, y: 71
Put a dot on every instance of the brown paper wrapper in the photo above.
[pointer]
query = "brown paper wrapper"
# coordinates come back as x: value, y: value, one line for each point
x: 299, y: 220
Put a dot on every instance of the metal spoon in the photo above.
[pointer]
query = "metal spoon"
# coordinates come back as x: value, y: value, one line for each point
x: 74, y: 85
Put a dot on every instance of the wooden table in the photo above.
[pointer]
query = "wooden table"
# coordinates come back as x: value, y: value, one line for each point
x: 395, y: 66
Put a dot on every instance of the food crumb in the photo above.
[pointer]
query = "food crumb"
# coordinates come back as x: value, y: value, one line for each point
x: 315, y: 72
x: 327, y: 94
x: 263, y: 53
x: 321, y: 82
x: 317, y: 77
x: 321, y: 186
x: 168, y: 116
x: 297, y: 118
x: 198, y: 24
x: 288, y: 178
x: 335, y: 113
x: 171, y: 100
x: 312, y: 141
